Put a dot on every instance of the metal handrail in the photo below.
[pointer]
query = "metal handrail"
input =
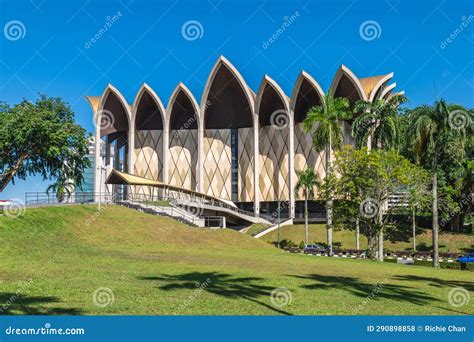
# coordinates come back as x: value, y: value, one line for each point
x: 32, y: 198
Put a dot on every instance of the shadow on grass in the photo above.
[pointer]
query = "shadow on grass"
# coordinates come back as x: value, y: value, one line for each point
x: 377, y: 291
x: 17, y: 304
x: 437, y: 282
x: 221, y: 284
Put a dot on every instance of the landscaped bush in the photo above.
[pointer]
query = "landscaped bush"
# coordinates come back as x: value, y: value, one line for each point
x: 443, y: 264
x: 285, y: 243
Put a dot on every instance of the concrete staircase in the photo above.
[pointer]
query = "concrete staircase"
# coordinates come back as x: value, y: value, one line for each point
x: 173, y: 211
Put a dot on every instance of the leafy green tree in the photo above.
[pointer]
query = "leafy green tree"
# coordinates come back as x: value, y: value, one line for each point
x: 378, y: 123
x: 324, y: 124
x: 437, y: 134
x: 307, y: 181
x: 366, y: 179
x: 41, y: 138
x: 419, y: 195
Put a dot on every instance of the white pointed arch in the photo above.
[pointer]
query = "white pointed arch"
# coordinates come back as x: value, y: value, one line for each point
x: 304, y: 76
x: 345, y: 71
x: 379, y: 84
x: 110, y: 89
x: 387, y: 90
x: 94, y: 102
x: 224, y: 62
x: 145, y: 88
x: 182, y: 88
x: 395, y: 94
x: 268, y: 81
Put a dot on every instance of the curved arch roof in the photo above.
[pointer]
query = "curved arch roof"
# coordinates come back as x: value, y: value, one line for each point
x: 146, y: 89
x: 268, y: 81
x: 367, y: 88
x: 182, y: 89
x: 117, y: 123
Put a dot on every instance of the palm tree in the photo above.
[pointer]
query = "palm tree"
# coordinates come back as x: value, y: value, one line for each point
x: 62, y: 187
x: 307, y: 180
x: 323, y: 122
x: 378, y: 126
x: 378, y: 123
x: 434, y: 134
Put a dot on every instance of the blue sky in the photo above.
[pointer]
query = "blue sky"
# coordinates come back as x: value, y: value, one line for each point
x: 52, y: 53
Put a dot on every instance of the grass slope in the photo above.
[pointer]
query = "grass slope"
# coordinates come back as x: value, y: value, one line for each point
x: 449, y: 242
x: 154, y: 265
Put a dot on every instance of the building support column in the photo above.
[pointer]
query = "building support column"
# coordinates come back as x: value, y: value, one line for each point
x: 97, y: 162
x: 200, y: 166
x: 107, y: 188
x: 166, y: 152
x: 256, y: 153
x: 131, y: 149
x: 291, y: 162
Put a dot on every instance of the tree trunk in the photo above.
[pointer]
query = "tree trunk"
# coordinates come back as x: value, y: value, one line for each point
x: 329, y: 201
x: 357, y: 234
x: 370, y: 245
x: 380, y: 245
x: 8, y: 176
x: 435, y: 214
x: 413, y: 226
x: 380, y: 234
x: 455, y: 223
x: 306, y: 221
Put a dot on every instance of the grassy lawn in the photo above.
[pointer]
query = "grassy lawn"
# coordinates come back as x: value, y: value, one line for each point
x: 256, y: 228
x: 154, y: 265
x: 449, y: 242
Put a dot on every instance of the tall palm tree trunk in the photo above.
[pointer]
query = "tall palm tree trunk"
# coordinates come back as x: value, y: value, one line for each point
x: 357, y: 234
x: 380, y: 245
x: 413, y: 226
x: 329, y: 201
x: 380, y: 237
x: 306, y: 220
x: 435, y: 213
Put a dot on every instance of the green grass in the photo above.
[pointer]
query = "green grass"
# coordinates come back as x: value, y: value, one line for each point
x: 154, y: 265
x: 449, y: 242
x: 256, y: 228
